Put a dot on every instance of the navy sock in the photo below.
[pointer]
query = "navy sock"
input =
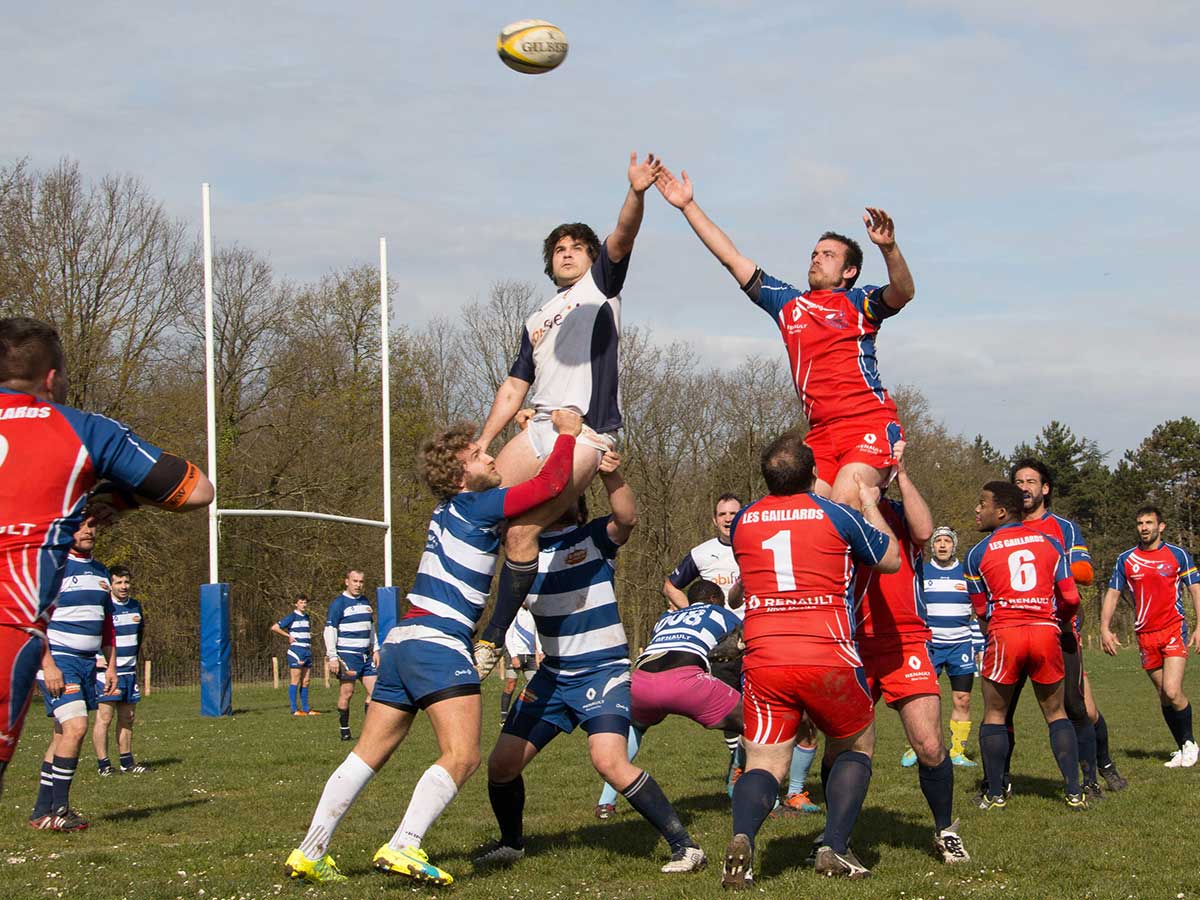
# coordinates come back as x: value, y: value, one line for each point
x: 344, y: 718
x: 101, y: 764
x: 647, y: 798
x: 994, y: 748
x: 753, y: 798
x: 304, y: 699
x: 516, y: 579
x: 508, y: 804
x: 1103, y: 758
x: 937, y: 784
x: 1185, y: 723
x: 292, y: 696
x: 64, y: 771
x: 45, y: 795
x: 825, y: 767
x: 126, y: 760
x: 506, y: 698
x: 1168, y: 714
x: 1085, y: 742
x: 1066, y: 752
x: 849, y: 778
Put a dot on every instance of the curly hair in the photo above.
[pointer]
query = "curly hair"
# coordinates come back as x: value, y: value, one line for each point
x: 576, y: 230
x: 438, y: 461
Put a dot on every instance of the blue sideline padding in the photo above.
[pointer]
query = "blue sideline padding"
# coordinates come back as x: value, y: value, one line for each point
x: 216, y: 669
x: 387, y: 611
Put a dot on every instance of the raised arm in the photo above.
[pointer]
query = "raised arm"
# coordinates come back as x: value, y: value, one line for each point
x: 681, y: 195
x: 868, y: 496
x: 917, y: 516
x: 508, y: 402
x: 620, y: 499
x: 629, y: 220
x: 882, y: 232
x: 1108, y: 606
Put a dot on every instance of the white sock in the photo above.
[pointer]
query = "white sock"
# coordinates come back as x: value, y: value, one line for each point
x: 340, y: 791
x: 430, y: 798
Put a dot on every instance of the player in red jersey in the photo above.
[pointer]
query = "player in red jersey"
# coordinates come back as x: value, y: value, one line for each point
x: 1151, y: 573
x: 1024, y: 597
x: 51, y: 457
x: 893, y: 636
x: 829, y: 331
x: 797, y: 553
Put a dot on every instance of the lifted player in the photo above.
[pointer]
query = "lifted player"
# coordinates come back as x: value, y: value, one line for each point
x: 129, y: 629
x: 1151, y: 573
x: 829, y: 331
x: 297, y: 628
x: 1023, y: 593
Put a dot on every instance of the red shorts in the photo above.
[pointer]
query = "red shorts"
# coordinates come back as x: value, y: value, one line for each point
x: 775, y: 698
x: 1032, y: 650
x: 684, y: 691
x: 897, y: 667
x: 1155, y: 645
x: 870, y: 439
x: 20, y: 659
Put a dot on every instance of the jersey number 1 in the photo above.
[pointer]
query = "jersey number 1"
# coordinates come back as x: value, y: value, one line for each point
x: 780, y: 545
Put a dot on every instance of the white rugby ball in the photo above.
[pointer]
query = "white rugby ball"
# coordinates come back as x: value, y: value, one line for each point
x: 531, y: 46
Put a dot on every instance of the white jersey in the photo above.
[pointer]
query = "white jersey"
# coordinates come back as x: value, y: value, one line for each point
x: 713, y: 561
x: 522, y: 638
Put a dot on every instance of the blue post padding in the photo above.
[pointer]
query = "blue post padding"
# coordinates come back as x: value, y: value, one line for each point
x: 216, y: 669
x: 387, y: 611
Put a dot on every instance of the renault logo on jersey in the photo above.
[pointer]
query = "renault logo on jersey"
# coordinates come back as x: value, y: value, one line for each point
x: 591, y: 693
x: 753, y: 602
x: 914, y: 662
x: 870, y: 438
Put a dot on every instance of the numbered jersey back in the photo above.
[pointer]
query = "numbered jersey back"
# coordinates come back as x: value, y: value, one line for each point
x: 1013, y: 575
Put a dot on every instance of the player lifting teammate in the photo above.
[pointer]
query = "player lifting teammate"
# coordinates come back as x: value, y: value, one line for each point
x: 569, y: 360
x: 51, y: 456
x: 829, y: 331
x: 1152, y: 573
x: 1022, y: 590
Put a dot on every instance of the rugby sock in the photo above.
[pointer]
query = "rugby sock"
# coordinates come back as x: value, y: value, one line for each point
x: 609, y: 794
x: 102, y: 763
x: 64, y: 771
x: 1102, y: 755
x: 733, y: 740
x: 994, y: 747
x: 753, y: 798
x: 1008, y: 754
x: 508, y: 804
x: 849, y: 778
x: 45, y: 795
x: 304, y: 699
x: 1085, y: 740
x: 959, y: 733
x: 802, y: 760
x: 1170, y: 717
x: 516, y: 578
x: 341, y: 789
x: 292, y: 696
x: 937, y: 784
x: 506, y: 697
x: 126, y: 760
x: 826, y: 766
x: 647, y: 798
x: 1066, y: 752
x: 1185, y: 724
x: 430, y: 798
x: 344, y: 720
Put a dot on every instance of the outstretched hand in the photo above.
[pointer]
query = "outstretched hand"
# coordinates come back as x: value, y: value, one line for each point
x: 678, y: 193
x: 880, y: 227
x: 643, y: 174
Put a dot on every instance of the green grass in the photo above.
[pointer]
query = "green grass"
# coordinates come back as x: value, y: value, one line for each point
x: 229, y: 798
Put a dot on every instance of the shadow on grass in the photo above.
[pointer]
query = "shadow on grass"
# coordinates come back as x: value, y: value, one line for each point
x: 162, y: 763
x: 144, y: 812
x: 1139, y: 753
x: 875, y: 827
x: 1027, y: 785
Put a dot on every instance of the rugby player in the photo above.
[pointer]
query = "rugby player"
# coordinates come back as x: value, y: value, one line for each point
x: 51, y: 457
x: 350, y: 648
x: 1023, y: 593
x: 569, y: 360
x: 584, y: 678
x: 295, y: 626
x: 893, y: 640
x: 712, y: 561
x: 523, y: 651
x: 129, y: 630
x: 794, y: 549
x: 829, y: 331
x: 1151, y: 573
x: 426, y: 659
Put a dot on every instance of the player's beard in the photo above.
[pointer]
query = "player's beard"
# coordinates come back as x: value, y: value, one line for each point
x: 484, y: 481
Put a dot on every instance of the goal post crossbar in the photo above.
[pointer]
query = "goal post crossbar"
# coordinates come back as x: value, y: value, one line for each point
x: 300, y: 514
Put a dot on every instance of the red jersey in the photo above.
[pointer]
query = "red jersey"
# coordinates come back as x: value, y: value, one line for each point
x: 1019, y: 576
x: 1152, y: 578
x: 797, y: 557
x: 893, y: 604
x: 830, y: 339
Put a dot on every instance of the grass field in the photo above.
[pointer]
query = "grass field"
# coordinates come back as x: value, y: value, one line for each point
x: 228, y: 799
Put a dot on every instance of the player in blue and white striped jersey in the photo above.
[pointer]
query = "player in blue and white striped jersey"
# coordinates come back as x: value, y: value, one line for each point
x: 80, y: 627
x: 523, y: 651
x: 954, y: 631
x: 584, y: 677
x: 129, y: 627
x: 297, y: 628
x: 426, y: 663
x: 350, y: 644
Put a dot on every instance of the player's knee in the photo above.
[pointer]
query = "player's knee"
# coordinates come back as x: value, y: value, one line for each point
x: 127, y: 717
x: 930, y: 750
x: 962, y: 703
x: 502, y: 767
x: 72, y: 718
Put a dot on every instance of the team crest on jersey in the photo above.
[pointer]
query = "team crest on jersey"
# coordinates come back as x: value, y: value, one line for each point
x: 870, y: 438
x: 576, y: 556
x: 72, y: 689
x: 135, y: 618
x: 914, y: 663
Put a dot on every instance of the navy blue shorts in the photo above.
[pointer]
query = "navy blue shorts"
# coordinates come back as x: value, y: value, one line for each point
x: 127, y: 689
x: 418, y: 666
x: 566, y: 701
x: 356, y: 666
x: 299, y: 658
x: 956, y: 659
x: 79, y: 682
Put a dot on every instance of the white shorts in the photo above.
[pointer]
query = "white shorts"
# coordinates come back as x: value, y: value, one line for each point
x: 542, y: 436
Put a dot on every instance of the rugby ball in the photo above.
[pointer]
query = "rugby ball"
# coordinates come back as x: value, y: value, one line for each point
x: 531, y: 46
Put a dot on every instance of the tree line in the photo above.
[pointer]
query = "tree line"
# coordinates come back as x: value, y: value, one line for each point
x: 298, y: 419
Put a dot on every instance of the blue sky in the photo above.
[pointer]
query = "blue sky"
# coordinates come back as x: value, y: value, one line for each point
x: 1038, y: 159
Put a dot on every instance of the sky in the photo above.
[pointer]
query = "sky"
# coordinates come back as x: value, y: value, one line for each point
x: 1038, y: 159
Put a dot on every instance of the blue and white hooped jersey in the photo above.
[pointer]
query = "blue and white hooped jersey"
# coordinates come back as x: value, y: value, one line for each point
x: 570, y: 347
x: 82, y: 608
x: 977, y: 639
x: 299, y: 629
x: 351, y: 616
x: 455, y: 573
x: 522, y: 639
x: 573, y: 601
x: 947, y: 603
x: 694, y: 629
x: 128, y: 622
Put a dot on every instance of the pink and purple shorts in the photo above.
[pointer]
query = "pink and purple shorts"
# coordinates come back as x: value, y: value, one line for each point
x: 683, y: 691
